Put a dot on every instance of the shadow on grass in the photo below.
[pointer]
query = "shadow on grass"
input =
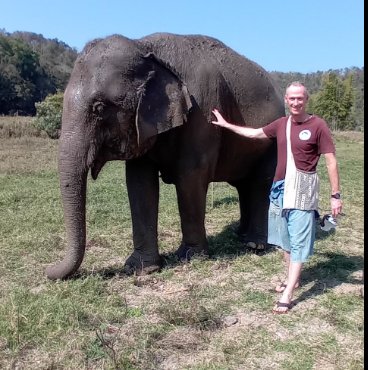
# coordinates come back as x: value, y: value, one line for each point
x: 333, y: 269
x: 226, y: 244
x: 225, y: 200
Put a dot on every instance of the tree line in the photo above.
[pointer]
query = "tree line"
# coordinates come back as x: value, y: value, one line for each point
x: 335, y: 95
x: 33, y: 67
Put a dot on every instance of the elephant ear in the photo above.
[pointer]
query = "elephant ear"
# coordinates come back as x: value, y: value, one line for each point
x: 164, y: 101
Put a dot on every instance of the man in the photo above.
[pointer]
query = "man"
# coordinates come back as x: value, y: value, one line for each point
x: 301, y: 139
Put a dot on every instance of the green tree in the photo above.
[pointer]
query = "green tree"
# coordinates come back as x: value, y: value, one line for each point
x: 346, y: 106
x: 22, y: 80
x: 48, y: 115
x: 334, y: 101
x: 313, y: 82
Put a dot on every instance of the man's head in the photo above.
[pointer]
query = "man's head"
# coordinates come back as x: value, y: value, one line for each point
x: 296, y: 98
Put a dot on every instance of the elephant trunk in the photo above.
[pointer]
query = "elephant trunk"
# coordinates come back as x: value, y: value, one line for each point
x: 73, y: 170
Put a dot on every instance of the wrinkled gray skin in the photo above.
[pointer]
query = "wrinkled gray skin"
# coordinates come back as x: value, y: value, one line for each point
x: 149, y: 102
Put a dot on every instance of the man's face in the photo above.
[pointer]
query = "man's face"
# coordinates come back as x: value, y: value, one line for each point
x: 296, y: 100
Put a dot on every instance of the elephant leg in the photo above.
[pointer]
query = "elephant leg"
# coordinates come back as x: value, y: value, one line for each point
x: 143, y: 191
x: 191, y: 195
x: 254, y: 203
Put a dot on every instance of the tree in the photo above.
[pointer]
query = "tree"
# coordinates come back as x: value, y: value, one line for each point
x: 346, y: 105
x: 21, y: 77
x: 334, y: 101
x: 48, y: 116
x: 31, y: 67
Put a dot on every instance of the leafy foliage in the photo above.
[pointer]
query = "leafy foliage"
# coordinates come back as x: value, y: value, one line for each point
x: 22, y: 80
x: 335, y: 95
x: 334, y: 102
x: 56, y: 58
x: 31, y: 68
x: 48, y: 116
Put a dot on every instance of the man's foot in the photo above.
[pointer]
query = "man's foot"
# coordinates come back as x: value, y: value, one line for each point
x: 281, y: 308
x: 281, y: 287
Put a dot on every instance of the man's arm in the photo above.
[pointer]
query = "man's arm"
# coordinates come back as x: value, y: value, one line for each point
x: 333, y: 174
x: 250, y: 132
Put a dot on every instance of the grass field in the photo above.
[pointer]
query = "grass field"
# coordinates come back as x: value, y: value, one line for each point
x: 206, y: 314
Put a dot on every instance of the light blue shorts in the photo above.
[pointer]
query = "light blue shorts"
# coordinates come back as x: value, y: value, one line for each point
x: 294, y: 231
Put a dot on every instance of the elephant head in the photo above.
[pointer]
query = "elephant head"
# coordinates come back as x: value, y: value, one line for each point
x: 118, y: 99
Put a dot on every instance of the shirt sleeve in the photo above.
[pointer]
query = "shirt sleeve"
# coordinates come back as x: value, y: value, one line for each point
x: 325, y: 141
x: 270, y: 130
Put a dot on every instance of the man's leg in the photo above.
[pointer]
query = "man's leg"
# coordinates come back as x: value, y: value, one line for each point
x: 301, y: 228
x: 295, y: 269
x: 278, y: 235
x: 281, y: 287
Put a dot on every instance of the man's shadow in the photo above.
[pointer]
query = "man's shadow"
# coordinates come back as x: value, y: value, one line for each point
x: 332, y: 271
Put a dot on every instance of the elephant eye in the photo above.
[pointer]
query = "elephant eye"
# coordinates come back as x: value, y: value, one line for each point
x: 98, y: 108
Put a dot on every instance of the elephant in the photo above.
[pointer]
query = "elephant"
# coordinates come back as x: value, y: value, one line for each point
x: 149, y: 102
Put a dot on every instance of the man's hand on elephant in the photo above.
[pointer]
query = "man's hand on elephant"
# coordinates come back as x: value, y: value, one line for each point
x: 220, y: 120
x: 250, y: 132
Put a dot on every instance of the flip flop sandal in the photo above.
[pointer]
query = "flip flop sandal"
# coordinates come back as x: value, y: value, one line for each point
x: 283, y: 305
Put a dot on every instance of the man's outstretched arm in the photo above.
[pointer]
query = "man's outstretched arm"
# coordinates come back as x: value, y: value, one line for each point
x: 250, y: 132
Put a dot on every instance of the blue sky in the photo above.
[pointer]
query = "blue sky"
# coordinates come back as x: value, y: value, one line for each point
x: 286, y: 36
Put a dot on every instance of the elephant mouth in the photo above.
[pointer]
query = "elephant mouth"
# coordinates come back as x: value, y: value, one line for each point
x: 101, y: 160
x: 117, y: 150
x: 96, y: 168
x: 110, y: 153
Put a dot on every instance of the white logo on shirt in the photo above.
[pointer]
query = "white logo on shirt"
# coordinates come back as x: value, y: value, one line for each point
x: 305, y: 135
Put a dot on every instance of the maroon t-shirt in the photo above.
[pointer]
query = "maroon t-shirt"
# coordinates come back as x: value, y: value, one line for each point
x: 309, y: 140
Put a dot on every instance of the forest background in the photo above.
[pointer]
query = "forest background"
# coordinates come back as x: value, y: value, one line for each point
x: 33, y: 68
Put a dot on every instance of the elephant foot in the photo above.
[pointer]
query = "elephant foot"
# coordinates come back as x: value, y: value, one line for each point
x: 135, y: 264
x: 253, y: 242
x: 185, y: 252
x: 257, y: 247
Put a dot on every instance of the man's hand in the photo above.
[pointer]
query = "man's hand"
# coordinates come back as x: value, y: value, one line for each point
x: 249, y: 132
x: 220, y: 120
x: 336, y: 207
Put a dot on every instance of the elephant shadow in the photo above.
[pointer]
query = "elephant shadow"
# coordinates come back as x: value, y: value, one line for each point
x: 225, y: 201
x: 333, y: 270
x: 226, y: 244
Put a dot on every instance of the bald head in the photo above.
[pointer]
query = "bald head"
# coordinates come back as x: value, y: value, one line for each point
x: 296, y: 87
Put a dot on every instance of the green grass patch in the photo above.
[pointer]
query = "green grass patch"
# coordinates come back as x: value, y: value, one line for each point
x: 43, y: 317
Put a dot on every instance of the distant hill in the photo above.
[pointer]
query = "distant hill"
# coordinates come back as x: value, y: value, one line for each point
x: 31, y: 67
x: 56, y: 57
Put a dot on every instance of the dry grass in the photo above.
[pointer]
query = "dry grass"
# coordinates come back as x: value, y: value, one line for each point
x: 18, y: 126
